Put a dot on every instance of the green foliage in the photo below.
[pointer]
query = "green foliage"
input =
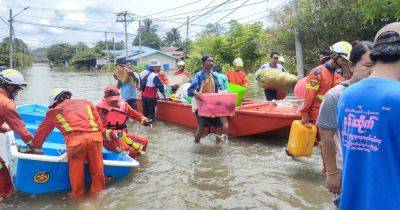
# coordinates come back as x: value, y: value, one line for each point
x: 21, y: 54
x: 374, y: 11
x: 85, y: 58
x: 101, y: 45
x: 40, y: 55
x: 217, y: 46
x: 172, y: 38
x: 240, y: 41
x: 60, y: 53
x: 149, y: 39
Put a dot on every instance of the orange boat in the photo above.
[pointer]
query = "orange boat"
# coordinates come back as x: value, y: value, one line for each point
x: 253, y: 118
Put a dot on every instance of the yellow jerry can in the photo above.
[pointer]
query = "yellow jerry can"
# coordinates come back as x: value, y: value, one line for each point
x: 301, y: 139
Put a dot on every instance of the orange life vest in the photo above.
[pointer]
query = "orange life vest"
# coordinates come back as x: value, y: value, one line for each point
x: 115, y: 118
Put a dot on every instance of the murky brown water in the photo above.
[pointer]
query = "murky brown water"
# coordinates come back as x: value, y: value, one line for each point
x: 251, y: 172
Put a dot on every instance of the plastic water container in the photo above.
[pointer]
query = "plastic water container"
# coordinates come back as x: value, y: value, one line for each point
x: 301, y: 139
x: 239, y: 90
x: 217, y: 104
x: 165, y: 67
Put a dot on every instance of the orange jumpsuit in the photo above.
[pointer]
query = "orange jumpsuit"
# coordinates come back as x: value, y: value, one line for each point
x: 113, y: 144
x: 163, y: 78
x: 9, y: 115
x: 81, y: 127
x: 319, y: 81
x: 237, y: 77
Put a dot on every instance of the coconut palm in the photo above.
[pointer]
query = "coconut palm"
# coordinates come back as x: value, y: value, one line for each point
x: 172, y: 38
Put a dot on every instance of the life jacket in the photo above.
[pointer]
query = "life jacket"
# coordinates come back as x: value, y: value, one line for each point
x: 115, y: 118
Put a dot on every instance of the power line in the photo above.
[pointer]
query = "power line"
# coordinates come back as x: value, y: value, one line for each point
x: 68, y: 27
x: 193, y: 11
x: 168, y: 10
x: 83, y: 21
x: 255, y: 19
x: 233, y: 11
x: 53, y: 9
x: 208, y: 12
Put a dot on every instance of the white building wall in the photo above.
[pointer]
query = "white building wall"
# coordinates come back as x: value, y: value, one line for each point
x: 162, y: 58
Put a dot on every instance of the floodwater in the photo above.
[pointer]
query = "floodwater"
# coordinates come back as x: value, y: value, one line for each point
x: 251, y: 172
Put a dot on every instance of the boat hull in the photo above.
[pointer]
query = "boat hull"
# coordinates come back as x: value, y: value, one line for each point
x: 48, y: 172
x: 255, y: 118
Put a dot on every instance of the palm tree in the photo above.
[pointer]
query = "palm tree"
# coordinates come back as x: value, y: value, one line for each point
x: 148, y: 26
x: 172, y: 38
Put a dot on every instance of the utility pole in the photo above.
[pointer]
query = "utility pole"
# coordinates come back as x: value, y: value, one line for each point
x: 187, y: 38
x: 140, y: 42
x: 125, y: 18
x: 114, y: 50
x: 10, y: 40
x: 108, y: 51
x: 297, y: 41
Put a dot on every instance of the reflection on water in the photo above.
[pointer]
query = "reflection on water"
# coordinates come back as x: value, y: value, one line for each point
x: 251, y: 172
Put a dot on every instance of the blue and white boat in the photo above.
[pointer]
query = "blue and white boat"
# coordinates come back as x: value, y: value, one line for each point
x: 46, y: 173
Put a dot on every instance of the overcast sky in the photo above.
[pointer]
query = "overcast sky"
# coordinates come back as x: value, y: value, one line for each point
x: 100, y: 15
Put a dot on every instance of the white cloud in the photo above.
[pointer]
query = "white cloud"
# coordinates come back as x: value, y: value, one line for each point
x: 75, y: 16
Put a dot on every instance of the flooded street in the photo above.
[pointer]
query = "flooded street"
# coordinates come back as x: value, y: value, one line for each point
x: 252, y: 172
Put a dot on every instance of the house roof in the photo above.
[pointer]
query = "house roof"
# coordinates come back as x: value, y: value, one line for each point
x: 133, y: 53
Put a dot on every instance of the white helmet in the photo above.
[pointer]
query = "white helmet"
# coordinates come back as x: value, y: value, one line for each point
x: 13, y: 77
x: 342, y: 48
x: 281, y: 59
x: 56, y: 94
x: 181, y: 63
x: 238, y: 62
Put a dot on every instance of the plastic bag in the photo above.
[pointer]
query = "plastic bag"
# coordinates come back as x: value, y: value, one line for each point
x: 274, y: 79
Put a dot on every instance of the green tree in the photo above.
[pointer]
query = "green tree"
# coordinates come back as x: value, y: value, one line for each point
x: 172, y: 38
x: 22, y: 56
x: 217, y: 46
x: 85, y: 58
x: 148, y: 26
x: 149, y: 39
x: 212, y: 29
x: 245, y: 42
x: 60, y: 53
x: 101, y: 45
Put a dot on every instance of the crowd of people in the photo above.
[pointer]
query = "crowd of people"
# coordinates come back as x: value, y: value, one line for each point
x: 356, y: 113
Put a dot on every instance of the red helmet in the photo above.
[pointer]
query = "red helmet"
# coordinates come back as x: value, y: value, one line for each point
x: 111, y: 93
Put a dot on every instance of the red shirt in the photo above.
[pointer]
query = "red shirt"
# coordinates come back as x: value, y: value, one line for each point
x: 71, y: 116
x: 184, y: 72
x: 9, y: 115
x: 237, y: 77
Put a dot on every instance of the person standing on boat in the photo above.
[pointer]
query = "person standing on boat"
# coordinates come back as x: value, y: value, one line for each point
x: 181, y: 69
x: 368, y: 121
x: 205, y: 81
x: 323, y: 78
x: 129, y: 87
x: 114, y: 113
x: 271, y: 94
x: 360, y: 65
x: 80, y: 124
x: 149, y: 83
x: 237, y: 75
x: 11, y: 82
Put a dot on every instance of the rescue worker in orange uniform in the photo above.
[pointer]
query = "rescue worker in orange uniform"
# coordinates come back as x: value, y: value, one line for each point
x: 323, y: 78
x: 11, y: 81
x: 236, y: 75
x: 114, y: 113
x: 80, y: 124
